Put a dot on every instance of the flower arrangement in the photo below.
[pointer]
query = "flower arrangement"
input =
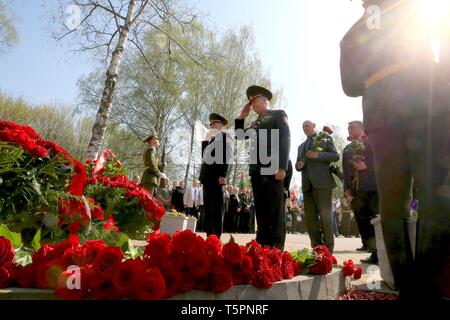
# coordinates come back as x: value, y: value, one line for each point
x: 321, y: 138
x: 317, y: 261
x: 130, y: 205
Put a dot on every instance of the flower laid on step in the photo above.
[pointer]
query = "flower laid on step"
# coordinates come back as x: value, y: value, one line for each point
x: 319, y: 261
x: 168, y: 266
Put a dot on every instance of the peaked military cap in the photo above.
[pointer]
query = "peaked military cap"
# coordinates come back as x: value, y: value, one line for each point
x: 153, y: 136
x: 213, y: 117
x: 254, y: 92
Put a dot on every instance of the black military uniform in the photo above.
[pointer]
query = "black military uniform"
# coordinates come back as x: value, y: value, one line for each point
x: 268, y: 192
x: 406, y: 106
x: 210, y: 172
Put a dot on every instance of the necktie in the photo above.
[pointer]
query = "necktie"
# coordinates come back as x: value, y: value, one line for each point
x: 309, y: 143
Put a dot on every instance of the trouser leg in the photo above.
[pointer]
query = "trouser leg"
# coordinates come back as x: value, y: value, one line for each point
x: 311, y: 219
x: 323, y: 200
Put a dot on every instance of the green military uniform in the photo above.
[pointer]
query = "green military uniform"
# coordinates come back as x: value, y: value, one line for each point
x: 268, y: 192
x: 151, y: 175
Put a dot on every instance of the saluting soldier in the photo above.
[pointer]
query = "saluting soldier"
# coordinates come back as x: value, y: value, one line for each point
x: 151, y: 176
x: 267, y: 176
x: 406, y: 107
x: 216, y: 152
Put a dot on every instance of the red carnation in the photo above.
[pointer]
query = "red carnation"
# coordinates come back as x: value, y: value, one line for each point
x: 221, y: 281
x: 348, y: 268
x: 247, y: 264
x: 74, y: 227
x: 107, y: 261
x: 184, y: 241
x: 110, y: 225
x: 232, y: 253
x: 297, y: 267
x: 263, y: 278
x: 357, y: 274
x: 39, y: 152
x: 173, y: 281
x: 213, y: 246
x: 198, y: 264
x: 152, y: 286
x: 334, y: 260
x: 6, y: 251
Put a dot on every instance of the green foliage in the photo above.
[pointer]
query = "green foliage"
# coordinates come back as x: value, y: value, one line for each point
x: 14, y: 237
x: 305, y: 258
x: 29, y: 185
x: 8, y: 33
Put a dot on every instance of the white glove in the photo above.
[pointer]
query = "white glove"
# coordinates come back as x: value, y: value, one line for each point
x: 163, y: 176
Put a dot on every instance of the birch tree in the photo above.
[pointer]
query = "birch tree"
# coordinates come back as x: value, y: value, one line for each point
x: 107, y: 27
x: 8, y: 33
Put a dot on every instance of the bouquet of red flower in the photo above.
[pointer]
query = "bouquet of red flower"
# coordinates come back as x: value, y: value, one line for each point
x: 35, y: 174
x: 319, y: 261
x: 357, y: 150
x: 321, y: 139
x: 131, y: 206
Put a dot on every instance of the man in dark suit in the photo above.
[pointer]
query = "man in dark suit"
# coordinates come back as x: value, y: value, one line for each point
x: 269, y: 155
x: 317, y: 185
x: 216, y: 151
x: 406, y: 107
x: 360, y: 186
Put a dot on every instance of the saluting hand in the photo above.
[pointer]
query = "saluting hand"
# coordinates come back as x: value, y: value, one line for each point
x: 245, y: 111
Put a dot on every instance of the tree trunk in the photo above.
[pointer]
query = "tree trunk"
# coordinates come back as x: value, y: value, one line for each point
x: 99, y: 129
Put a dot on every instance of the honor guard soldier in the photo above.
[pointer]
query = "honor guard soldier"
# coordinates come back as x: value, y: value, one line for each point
x: 152, y: 174
x: 270, y: 135
x: 216, y: 154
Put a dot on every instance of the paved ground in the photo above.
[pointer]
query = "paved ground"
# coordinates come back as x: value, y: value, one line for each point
x: 344, y: 250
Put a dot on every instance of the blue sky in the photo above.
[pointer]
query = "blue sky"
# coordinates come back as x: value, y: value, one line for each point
x: 298, y: 41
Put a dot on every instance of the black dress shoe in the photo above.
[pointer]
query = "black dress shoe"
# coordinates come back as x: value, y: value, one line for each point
x: 363, y: 248
x: 373, y: 259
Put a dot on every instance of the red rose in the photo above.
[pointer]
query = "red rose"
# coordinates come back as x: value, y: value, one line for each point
x: 72, y: 256
x: 106, y: 291
x: 263, y: 279
x: 348, y: 268
x: 69, y: 293
x: 6, y: 251
x: 127, y: 275
x: 27, y: 277
x: 5, y: 278
x: 288, y: 266
x: 43, y: 255
x: 357, y: 274
x: 232, y: 253
x: 221, y: 281
x: 198, y: 264
x: 188, y: 281
x: 320, y: 268
x: 328, y: 130
x: 90, y: 250
x: 107, y: 261
x: 47, y: 274
x: 184, y: 241
x: 60, y: 248
x: 74, y: 227
x: 152, y: 286
x: 158, y: 244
